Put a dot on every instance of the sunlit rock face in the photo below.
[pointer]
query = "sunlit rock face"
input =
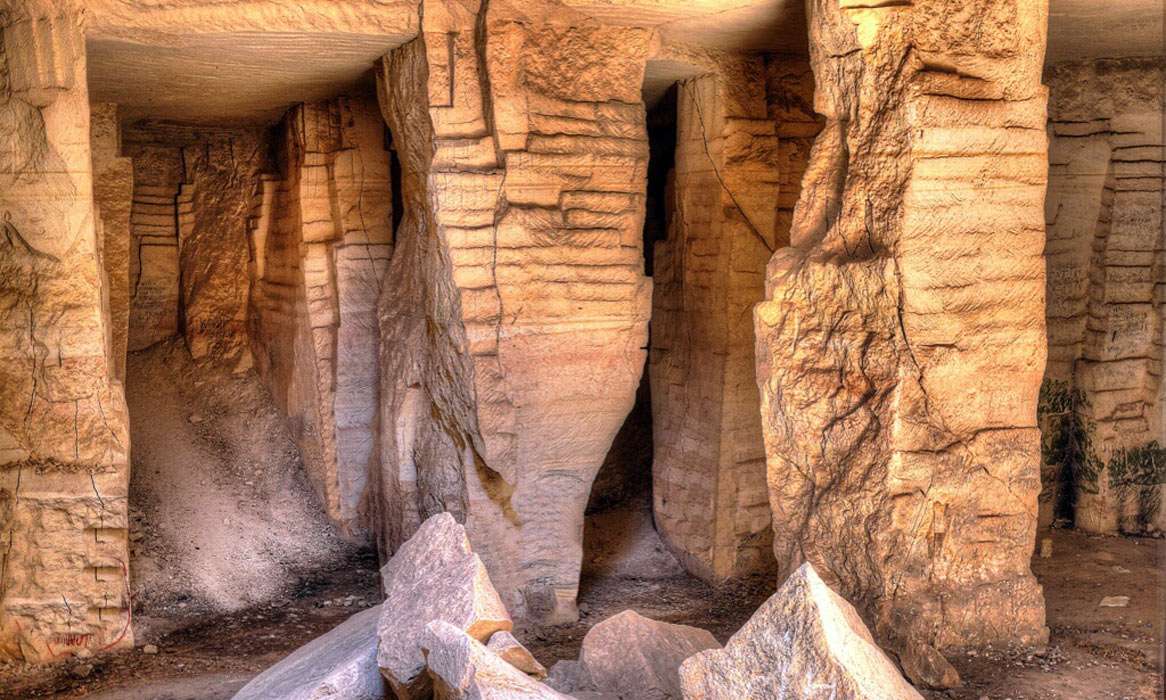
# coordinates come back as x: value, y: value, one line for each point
x: 320, y: 235
x: 901, y: 344
x: 512, y: 338
x: 1101, y: 403
x: 63, y: 426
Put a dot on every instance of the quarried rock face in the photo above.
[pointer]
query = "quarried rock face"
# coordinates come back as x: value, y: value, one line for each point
x: 463, y: 669
x: 901, y: 344
x: 433, y: 576
x: 321, y: 238
x: 64, y: 585
x: 512, y: 652
x: 632, y: 656
x: 113, y: 192
x: 1101, y: 403
x: 512, y: 337
x: 341, y: 664
x: 709, y: 496
x: 804, y: 642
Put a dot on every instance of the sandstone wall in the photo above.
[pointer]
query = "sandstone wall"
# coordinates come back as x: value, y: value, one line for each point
x: 513, y: 335
x: 63, y: 436
x: 709, y: 495
x: 901, y: 344
x: 154, y: 271
x: 320, y: 239
x: 1104, y: 431
x: 113, y: 190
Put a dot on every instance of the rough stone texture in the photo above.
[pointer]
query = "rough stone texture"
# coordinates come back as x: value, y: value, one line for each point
x: 321, y: 238
x: 513, y: 335
x: 63, y: 437
x: 154, y: 271
x: 1101, y: 404
x: 221, y: 176
x: 570, y: 676
x: 632, y: 656
x: 709, y: 495
x: 113, y: 191
x: 901, y: 344
x: 433, y: 576
x: 340, y: 664
x: 463, y: 669
x: 512, y: 652
x: 804, y: 642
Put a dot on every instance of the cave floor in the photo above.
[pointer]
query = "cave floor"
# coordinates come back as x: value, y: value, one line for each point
x: 1094, y: 652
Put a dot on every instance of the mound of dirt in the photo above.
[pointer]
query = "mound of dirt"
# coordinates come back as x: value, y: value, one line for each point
x: 222, y: 516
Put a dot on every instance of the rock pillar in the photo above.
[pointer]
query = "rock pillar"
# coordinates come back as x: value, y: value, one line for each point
x: 64, y: 582
x: 901, y: 344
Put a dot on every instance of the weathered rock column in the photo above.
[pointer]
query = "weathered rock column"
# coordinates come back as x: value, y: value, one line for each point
x: 113, y: 192
x: 709, y: 496
x: 512, y: 340
x: 1101, y: 404
x: 901, y: 346
x: 320, y: 240
x: 64, y: 584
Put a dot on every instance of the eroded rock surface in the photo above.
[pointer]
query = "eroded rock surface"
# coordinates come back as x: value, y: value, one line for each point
x: 632, y: 656
x: 512, y: 652
x: 340, y: 664
x: 433, y: 576
x: 900, y: 347
x: 64, y: 584
x: 320, y: 237
x: 513, y: 334
x: 1101, y: 403
x: 804, y: 642
x: 464, y: 669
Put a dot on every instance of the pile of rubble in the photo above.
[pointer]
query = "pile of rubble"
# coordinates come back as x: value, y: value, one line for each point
x: 443, y: 632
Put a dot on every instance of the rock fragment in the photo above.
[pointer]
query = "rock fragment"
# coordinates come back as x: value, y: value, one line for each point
x: 512, y: 652
x: 340, y: 664
x: 462, y: 668
x: 433, y: 576
x: 805, y: 642
x: 636, y: 657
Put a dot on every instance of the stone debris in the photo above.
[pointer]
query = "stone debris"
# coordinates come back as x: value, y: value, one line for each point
x: 463, y: 668
x: 925, y: 666
x: 637, y: 657
x: 150, y: 649
x: 433, y: 576
x: 1114, y: 601
x: 512, y: 652
x: 570, y: 676
x: 340, y: 664
x: 805, y: 642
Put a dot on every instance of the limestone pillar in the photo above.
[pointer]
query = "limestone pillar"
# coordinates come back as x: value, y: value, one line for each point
x: 64, y: 582
x: 901, y: 344
x: 1101, y: 403
x: 512, y: 340
x: 709, y: 495
x: 113, y: 191
x: 320, y: 239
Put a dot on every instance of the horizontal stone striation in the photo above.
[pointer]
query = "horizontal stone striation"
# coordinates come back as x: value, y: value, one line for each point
x: 64, y: 585
x: 900, y: 348
x: 321, y: 238
x: 512, y: 348
x: 1106, y: 282
x: 154, y: 268
x: 710, y: 498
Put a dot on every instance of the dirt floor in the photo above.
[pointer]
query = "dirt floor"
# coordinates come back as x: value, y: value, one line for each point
x: 1094, y: 652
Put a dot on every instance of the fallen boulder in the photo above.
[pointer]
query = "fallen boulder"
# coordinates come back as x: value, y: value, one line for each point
x: 636, y: 657
x: 462, y: 668
x: 341, y: 664
x: 569, y: 676
x: 804, y: 642
x: 512, y: 652
x: 433, y: 576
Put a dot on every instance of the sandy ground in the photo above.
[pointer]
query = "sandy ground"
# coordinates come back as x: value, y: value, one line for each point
x: 1094, y: 652
x: 221, y: 515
